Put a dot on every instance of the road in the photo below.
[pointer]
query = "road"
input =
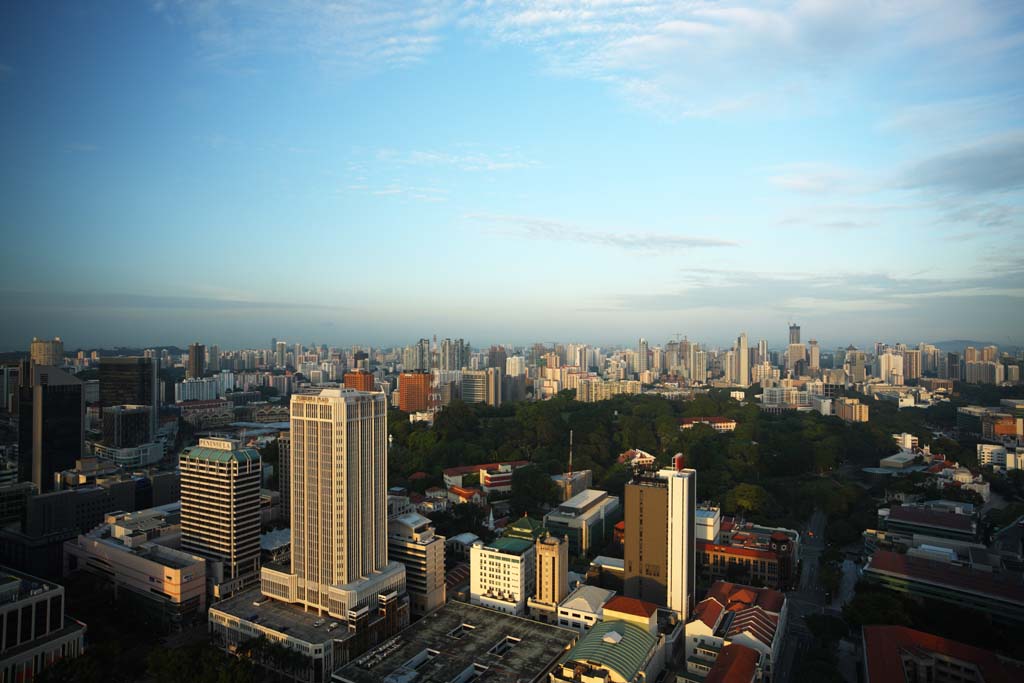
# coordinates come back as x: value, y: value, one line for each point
x: 809, y: 598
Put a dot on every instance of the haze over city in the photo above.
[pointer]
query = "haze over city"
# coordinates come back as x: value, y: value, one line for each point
x: 363, y: 173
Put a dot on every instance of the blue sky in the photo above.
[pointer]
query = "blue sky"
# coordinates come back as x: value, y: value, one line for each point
x: 365, y: 172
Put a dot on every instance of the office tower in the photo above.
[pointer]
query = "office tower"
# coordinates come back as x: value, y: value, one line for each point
x: 51, y: 414
x: 699, y: 366
x: 213, y: 358
x: 196, y: 360
x: 660, y: 543
x: 131, y: 380
x: 360, y: 380
x: 281, y: 354
x: 284, y: 482
x: 474, y: 386
x: 127, y: 426
x: 794, y: 334
x: 742, y: 361
x: 338, y: 463
x: 762, y: 351
x: 423, y: 354
x: 37, y: 634
x: 728, y: 364
x: 552, y: 577
x: 515, y: 366
x: 642, y: 353
x: 951, y: 367
x: 413, y: 542
x: 8, y: 387
x: 220, y: 512
x: 796, y: 358
x: 47, y: 351
x: 814, y: 362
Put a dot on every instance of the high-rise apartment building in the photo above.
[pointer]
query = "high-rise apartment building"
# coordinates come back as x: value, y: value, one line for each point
x: 338, y: 474
x: 911, y: 364
x: 515, y: 366
x: 213, y: 358
x: 474, y: 386
x: 990, y: 354
x: 196, y: 360
x: 360, y: 380
x: 414, y: 391
x: 814, y: 356
x: 643, y: 353
x: 220, y: 512
x: 51, y: 415
x: 131, y: 380
x: 660, y: 544
x: 281, y: 354
x: 47, y: 351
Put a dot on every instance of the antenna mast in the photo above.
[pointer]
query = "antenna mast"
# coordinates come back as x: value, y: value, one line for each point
x: 570, y: 454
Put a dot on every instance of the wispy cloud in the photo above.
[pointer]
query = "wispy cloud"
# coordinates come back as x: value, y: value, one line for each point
x: 995, y: 164
x: 543, y: 229
x: 418, y: 193
x: 813, y: 178
x: 463, y: 160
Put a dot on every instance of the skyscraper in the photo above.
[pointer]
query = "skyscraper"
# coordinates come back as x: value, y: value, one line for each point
x: 338, y: 465
x: 814, y: 363
x: 131, y: 380
x: 220, y: 512
x: 414, y: 391
x: 51, y: 413
x: 360, y: 380
x: 48, y: 351
x: 660, y: 542
x: 281, y: 354
x: 742, y: 360
x: 642, y: 364
x: 196, y: 360
x: 794, y: 334
x: 213, y: 358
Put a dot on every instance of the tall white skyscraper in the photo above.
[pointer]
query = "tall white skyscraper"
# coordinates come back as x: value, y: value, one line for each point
x: 338, y: 477
x: 682, y: 542
x: 762, y: 350
x: 742, y: 361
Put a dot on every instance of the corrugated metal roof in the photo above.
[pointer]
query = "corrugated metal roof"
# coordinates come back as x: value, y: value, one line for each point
x: 626, y: 657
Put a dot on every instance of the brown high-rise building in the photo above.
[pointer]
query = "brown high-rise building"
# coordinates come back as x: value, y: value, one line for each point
x: 646, y: 551
x: 196, y: 360
x: 413, y: 391
x: 552, y: 577
x: 359, y: 379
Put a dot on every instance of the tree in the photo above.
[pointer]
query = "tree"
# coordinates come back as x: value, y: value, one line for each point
x: 873, y: 606
x: 749, y: 499
x: 532, y: 490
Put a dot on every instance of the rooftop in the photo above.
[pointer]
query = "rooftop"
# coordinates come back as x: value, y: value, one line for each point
x: 513, y: 546
x: 616, y: 645
x: 634, y: 606
x: 932, y: 518
x: 944, y: 574
x: 279, y: 616
x: 461, y: 635
x: 220, y: 455
x: 587, y: 598
x: 489, y: 466
x: 885, y: 646
x: 581, y: 502
x: 735, y: 664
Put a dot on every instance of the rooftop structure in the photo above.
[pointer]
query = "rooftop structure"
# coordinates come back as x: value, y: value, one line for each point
x: 583, y: 607
x: 610, y: 651
x: 891, y: 651
x: 586, y: 520
x: 458, y: 640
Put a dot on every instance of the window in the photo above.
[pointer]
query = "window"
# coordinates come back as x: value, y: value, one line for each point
x: 503, y: 646
x: 460, y: 631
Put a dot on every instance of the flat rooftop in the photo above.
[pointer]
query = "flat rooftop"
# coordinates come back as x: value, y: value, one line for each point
x: 440, y: 646
x: 580, y: 503
x: 280, y: 616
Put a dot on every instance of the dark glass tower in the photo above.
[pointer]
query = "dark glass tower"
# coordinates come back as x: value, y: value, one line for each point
x: 51, y: 415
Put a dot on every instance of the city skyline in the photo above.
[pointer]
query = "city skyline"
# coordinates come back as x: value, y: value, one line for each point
x: 358, y: 173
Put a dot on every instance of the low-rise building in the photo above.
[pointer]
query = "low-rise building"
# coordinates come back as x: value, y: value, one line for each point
x: 734, y: 614
x: 34, y: 631
x: 890, y: 652
x: 573, y: 483
x: 136, y: 551
x: 586, y: 520
x: 502, y: 574
x: 729, y: 548
x: 584, y: 607
x: 850, y: 410
x: 718, y: 423
x: 461, y: 642
x: 493, y: 476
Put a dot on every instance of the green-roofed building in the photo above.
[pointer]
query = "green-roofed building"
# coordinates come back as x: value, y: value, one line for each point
x: 525, y: 528
x: 220, y: 512
x: 612, y: 652
x: 503, y: 572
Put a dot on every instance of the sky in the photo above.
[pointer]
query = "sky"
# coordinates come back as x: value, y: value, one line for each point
x: 372, y: 172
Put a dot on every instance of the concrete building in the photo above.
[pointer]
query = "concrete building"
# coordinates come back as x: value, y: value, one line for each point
x: 503, y: 574
x: 462, y: 643
x: 414, y: 391
x: 898, y: 653
x: 220, y: 512
x: 572, y: 483
x: 135, y: 552
x: 586, y: 520
x: 719, y: 424
x: 196, y: 361
x: 131, y: 380
x: 584, y: 607
x: 552, y: 581
x: 660, y: 542
x: 850, y: 410
x: 360, y: 380
x: 47, y: 352
x: 34, y: 631
x: 413, y: 542
x: 196, y: 389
